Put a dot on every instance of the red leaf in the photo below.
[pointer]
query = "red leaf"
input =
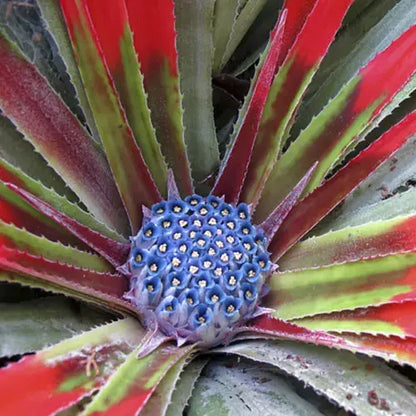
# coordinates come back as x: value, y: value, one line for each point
x: 231, y: 178
x: 17, y: 261
x: 113, y: 251
x: 153, y: 27
x: 305, y: 56
x: 130, y: 172
x: 28, y: 100
x: 320, y: 202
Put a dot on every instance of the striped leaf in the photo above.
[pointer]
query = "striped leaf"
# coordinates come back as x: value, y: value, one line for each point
x: 322, y: 200
x: 55, y: 132
x: 154, y: 35
x: 59, y: 376
x: 131, y: 386
x: 287, y: 90
x: 361, y: 100
x: 131, y: 174
x: 390, y: 279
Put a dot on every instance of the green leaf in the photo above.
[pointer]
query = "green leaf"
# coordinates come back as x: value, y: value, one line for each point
x: 362, y: 39
x: 364, y: 387
x: 184, y: 387
x: 134, y: 382
x: 346, y: 286
x: 33, y: 324
x: 227, y: 388
x: 195, y: 46
x: 40, y: 246
x: 55, y: 24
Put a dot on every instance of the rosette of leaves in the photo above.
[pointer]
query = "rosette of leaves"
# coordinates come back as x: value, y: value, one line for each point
x: 300, y: 109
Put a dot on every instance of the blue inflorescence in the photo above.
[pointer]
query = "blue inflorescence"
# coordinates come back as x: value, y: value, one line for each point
x: 198, y: 268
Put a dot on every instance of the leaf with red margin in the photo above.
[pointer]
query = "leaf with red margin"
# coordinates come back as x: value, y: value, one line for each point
x: 12, y: 174
x: 131, y: 386
x: 56, y: 377
x: 323, y: 199
x: 347, y: 286
x: 359, y: 102
x: 20, y: 239
x: 234, y: 168
x: 391, y: 319
x: 131, y: 174
x: 287, y: 90
x: 113, y: 251
x: 76, y: 278
x: 153, y: 27
x: 379, y: 238
x: 30, y: 103
x: 111, y: 25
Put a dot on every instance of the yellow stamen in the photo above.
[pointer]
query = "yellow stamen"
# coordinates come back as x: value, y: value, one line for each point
x: 193, y: 269
x: 225, y: 212
x: 201, y: 319
x: 249, y: 294
x: 192, y: 234
x: 176, y: 262
x: 247, y: 246
x: 197, y: 223
x: 176, y: 282
x: 153, y: 267
x: 183, y: 223
x: 163, y: 247
x: 177, y: 236
x: 262, y: 264
x: 203, y: 211
x: 242, y: 215
x: 212, y: 221
x: 177, y: 209
x: 201, y: 242
x: 194, y: 254
x: 251, y: 273
x: 219, y: 244
x: 169, y: 308
x: 160, y: 211
x: 212, y: 252
x: 166, y: 224
x: 208, y: 233
x: 202, y: 283
x: 214, y: 298
x: 218, y: 271
x: 230, y: 225
x: 230, y: 239
x: 207, y: 264
x: 148, y: 233
x: 150, y: 288
x: 182, y: 248
x: 193, y: 202
x: 232, y: 280
x: 230, y: 308
x: 237, y: 255
x: 190, y: 301
x: 224, y: 257
x: 139, y: 258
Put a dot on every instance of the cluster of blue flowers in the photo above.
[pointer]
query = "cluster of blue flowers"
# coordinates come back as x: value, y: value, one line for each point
x: 198, y: 268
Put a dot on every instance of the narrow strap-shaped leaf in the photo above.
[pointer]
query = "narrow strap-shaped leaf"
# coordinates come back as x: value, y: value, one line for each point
x: 136, y: 379
x: 153, y: 27
x: 185, y: 385
x: 131, y: 174
x: 297, y: 13
x: 348, y: 380
x: 54, y: 20
x: 59, y: 376
x: 57, y: 135
x: 73, y: 277
x: 162, y: 396
x: 322, y: 200
x: 276, y: 218
x: 346, y: 286
x: 111, y: 25
x: 22, y: 240
x: 14, y: 210
x: 113, y: 251
x: 390, y: 319
x: 195, y: 44
x: 401, y: 350
x: 378, y: 238
x: 360, y: 101
x: 287, y: 90
x: 234, y: 168
x: 11, y: 174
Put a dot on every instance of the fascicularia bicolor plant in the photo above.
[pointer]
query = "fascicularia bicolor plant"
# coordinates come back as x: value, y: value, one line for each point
x: 281, y: 233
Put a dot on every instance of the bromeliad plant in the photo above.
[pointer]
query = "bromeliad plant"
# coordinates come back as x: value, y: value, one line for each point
x: 204, y: 240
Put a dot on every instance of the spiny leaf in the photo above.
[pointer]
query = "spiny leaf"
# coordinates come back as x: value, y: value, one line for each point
x: 33, y: 324
x: 360, y: 101
x: 153, y: 27
x: 86, y: 281
x: 131, y: 174
x: 11, y: 174
x: 59, y: 376
x: 233, y: 170
x: 184, y: 387
x: 136, y: 379
x: 27, y: 99
x: 113, y: 251
x: 347, y: 380
x: 390, y: 279
x: 54, y: 21
x: 22, y: 240
x: 228, y: 387
x: 111, y: 25
x: 287, y: 90
x: 194, y: 26
x: 320, y: 202
x: 373, y: 239
x: 391, y: 319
